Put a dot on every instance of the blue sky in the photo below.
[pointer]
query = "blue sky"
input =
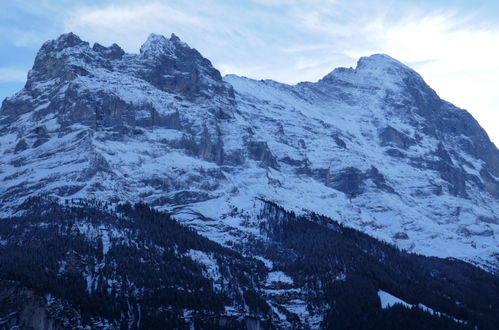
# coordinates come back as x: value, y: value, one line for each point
x: 453, y: 44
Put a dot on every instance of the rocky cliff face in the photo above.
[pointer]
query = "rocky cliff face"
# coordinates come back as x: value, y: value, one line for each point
x: 23, y: 307
x: 373, y: 147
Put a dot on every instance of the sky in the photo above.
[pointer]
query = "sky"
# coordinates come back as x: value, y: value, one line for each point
x: 454, y: 44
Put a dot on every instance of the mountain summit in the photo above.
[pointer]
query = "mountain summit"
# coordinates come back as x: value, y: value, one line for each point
x: 373, y: 148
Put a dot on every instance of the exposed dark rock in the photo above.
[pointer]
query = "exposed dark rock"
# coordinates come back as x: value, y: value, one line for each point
x: 466, y: 231
x: 442, y: 153
x: 161, y: 183
x: 171, y: 121
x: 39, y: 142
x: 395, y: 153
x: 305, y: 170
x: 339, y: 142
x: 320, y: 174
x: 389, y: 136
x: 400, y: 235
x: 40, y: 132
x: 349, y: 180
x: 234, y: 158
x: 112, y: 52
x: 187, y: 143
x: 293, y: 162
x: 260, y: 151
x: 456, y: 177
x: 175, y: 67
x: 168, y: 64
x: 48, y: 66
x: 222, y: 113
x: 489, y: 182
x: 14, y: 107
x: 473, y: 180
x: 445, y: 121
x: 21, y: 146
x: 97, y: 164
x: 68, y: 190
x: 109, y: 111
x: 156, y: 119
x: 22, y: 308
x: 489, y: 220
x: 208, y: 146
x: 210, y: 150
x: 183, y: 197
x: 378, y: 179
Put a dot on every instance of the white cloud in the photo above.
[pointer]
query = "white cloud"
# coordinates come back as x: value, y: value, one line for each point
x: 127, y: 24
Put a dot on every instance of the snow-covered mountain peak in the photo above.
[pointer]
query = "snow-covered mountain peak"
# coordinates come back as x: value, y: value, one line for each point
x: 373, y: 147
x: 157, y: 45
x: 271, y: 171
x: 177, y: 41
x: 380, y: 62
x: 66, y: 45
x: 166, y: 59
x: 379, y: 71
x: 66, y: 40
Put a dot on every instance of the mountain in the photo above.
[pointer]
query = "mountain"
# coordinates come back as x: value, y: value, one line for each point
x: 259, y: 172
x: 92, y: 265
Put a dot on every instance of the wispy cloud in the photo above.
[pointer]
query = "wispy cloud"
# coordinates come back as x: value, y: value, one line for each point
x: 130, y: 23
x: 454, y: 48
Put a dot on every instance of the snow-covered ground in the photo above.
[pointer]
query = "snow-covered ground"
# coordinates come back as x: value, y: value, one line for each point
x: 387, y: 300
x: 286, y: 144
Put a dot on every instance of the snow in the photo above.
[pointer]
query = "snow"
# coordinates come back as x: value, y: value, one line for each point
x: 381, y: 212
x: 387, y: 300
x: 106, y: 243
x: 268, y: 263
x: 298, y: 123
x: 278, y: 277
x: 276, y: 311
x: 89, y: 279
x: 209, y: 264
x: 157, y: 45
x: 299, y: 307
x: 62, y: 266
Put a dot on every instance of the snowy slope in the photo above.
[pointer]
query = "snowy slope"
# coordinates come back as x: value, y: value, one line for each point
x: 373, y: 147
